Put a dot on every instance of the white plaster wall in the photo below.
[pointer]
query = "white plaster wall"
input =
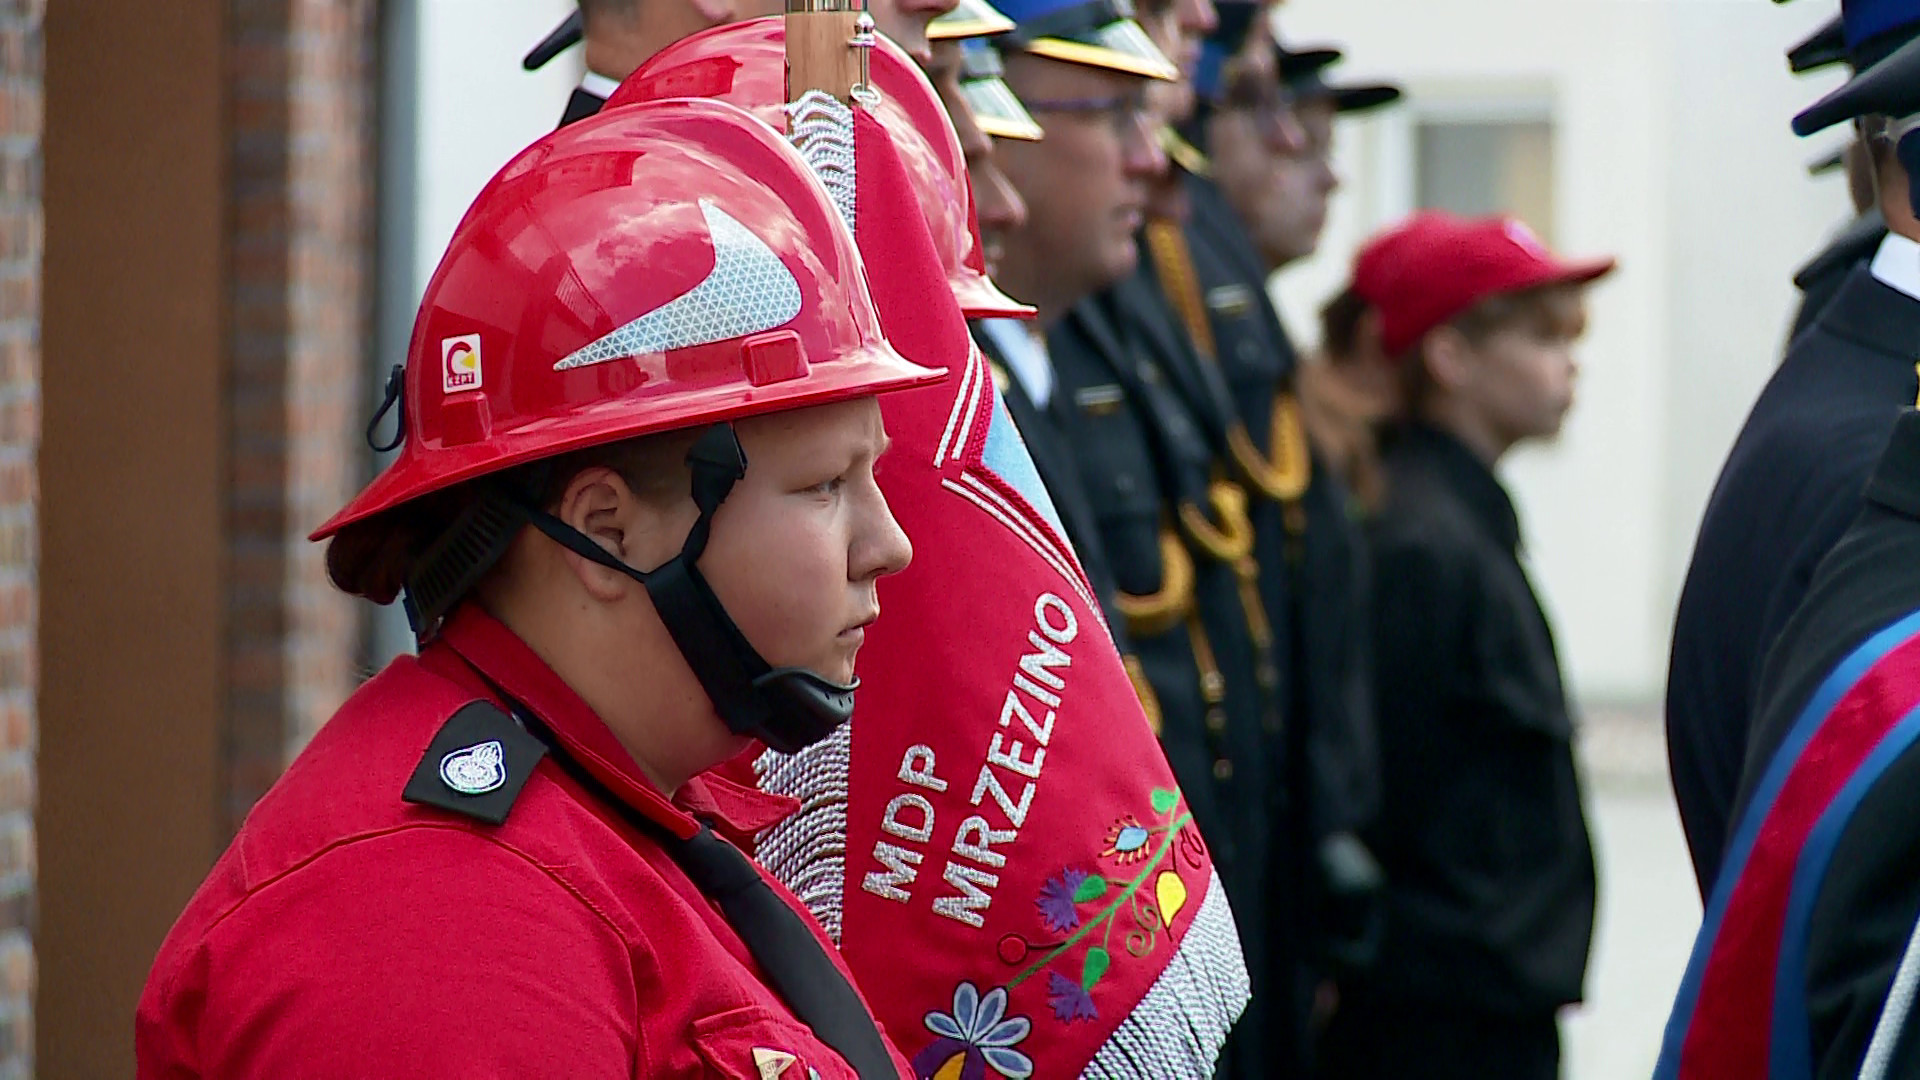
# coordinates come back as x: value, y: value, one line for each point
x: 474, y: 105
x: 456, y: 106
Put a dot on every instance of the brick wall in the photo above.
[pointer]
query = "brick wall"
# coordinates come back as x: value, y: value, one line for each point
x: 21, y: 66
x: 303, y: 139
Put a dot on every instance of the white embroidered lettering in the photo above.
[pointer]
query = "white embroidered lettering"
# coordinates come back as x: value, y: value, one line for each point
x: 891, y: 823
x: 1069, y: 627
x: 973, y: 900
x: 984, y: 836
x: 900, y: 864
x: 917, y: 769
x: 1039, y: 665
x: 989, y: 784
x: 1009, y: 757
x: 1045, y: 697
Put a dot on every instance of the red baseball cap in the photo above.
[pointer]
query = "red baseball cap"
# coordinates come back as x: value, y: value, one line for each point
x: 1432, y: 267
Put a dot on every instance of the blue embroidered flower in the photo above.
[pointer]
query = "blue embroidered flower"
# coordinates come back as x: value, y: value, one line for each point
x: 980, y: 1031
x: 1056, y: 903
x: 1070, y: 1002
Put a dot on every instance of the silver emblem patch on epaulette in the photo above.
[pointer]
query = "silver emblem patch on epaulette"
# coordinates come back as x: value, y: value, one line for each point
x: 475, y: 770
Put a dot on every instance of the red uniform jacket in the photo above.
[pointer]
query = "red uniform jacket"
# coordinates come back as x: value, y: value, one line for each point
x: 348, y: 933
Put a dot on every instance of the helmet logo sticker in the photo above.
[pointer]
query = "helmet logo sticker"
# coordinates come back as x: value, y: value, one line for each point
x: 460, y: 363
x: 748, y: 291
x: 475, y: 770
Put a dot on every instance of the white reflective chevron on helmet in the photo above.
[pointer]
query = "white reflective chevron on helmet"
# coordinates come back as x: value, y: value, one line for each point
x: 748, y: 291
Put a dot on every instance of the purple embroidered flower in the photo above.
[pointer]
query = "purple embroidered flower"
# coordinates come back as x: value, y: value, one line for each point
x: 1056, y: 901
x: 1069, y: 1001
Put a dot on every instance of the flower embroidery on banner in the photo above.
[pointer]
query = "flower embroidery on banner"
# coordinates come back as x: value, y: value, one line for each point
x: 977, y: 1036
x: 1058, y: 901
x: 1069, y: 999
x: 1127, y: 841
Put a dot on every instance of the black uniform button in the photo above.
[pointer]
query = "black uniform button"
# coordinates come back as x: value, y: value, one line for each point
x: 1217, y: 721
x: 1246, y: 350
x: 1222, y: 769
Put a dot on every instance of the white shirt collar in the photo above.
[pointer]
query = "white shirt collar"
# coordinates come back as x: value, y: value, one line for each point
x: 1897, y: 264
x: 1026, y: 355
x: 599, y: 85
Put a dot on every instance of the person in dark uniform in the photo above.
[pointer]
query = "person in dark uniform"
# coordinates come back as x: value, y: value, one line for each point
x: 1822, y: 276
x: 1181, y: 549
x: 503, y: 856
x: 1258, y: 203
x: 1790, y: 486
x: 1807, y: 962
x: 1060, y: 253
x: 1853, y: 246
x: 1490, y: 875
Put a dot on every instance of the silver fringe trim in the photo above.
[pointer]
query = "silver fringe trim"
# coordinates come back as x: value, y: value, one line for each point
x: 808, y: 851
x: 821, y: 127
x: 1893, y: 1014
x: 1180, y: 1026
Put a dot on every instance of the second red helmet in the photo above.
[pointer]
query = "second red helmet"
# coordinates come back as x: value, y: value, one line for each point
x: 744, y: 64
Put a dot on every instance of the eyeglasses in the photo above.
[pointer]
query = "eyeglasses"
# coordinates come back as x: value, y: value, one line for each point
x: 1271, y: 108
x: 1126, y: 113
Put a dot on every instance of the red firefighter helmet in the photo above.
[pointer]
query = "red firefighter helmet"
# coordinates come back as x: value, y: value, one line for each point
x: 648, y: 269
x: 744, y: 64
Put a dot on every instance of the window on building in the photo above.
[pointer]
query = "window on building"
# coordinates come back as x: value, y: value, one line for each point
x: 1487, y: 165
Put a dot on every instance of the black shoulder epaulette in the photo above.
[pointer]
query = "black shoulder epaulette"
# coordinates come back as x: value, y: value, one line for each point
x: 477, y: 764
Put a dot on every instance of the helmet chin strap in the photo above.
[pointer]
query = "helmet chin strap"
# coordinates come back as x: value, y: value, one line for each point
x: 787, y: 708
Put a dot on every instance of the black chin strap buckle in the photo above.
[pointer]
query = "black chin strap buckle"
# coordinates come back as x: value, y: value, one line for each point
x: 394, y: 401
x: 809, y: 708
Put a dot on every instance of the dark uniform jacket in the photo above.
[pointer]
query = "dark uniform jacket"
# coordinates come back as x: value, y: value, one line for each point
x: 1316, y: 587
x: 1054, y: 460
x: 1789, y: 488
x: 1490, y: 876
x: 1845, y: 670
x: 1141, y: 454
x: 1823, y: 275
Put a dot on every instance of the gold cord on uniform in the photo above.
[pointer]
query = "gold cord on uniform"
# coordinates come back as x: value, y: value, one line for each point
x: 1153, y: 614
x: 1284, y: 477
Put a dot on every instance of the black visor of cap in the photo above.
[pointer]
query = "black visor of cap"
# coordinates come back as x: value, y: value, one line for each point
x: 1825, y: 47
x: 1301, y: 71
x: 558, y: 40
x: 1890, y: 87
x: 1346, y: 99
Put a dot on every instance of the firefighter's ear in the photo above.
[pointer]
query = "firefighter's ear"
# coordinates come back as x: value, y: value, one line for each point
x: 597, y: 504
